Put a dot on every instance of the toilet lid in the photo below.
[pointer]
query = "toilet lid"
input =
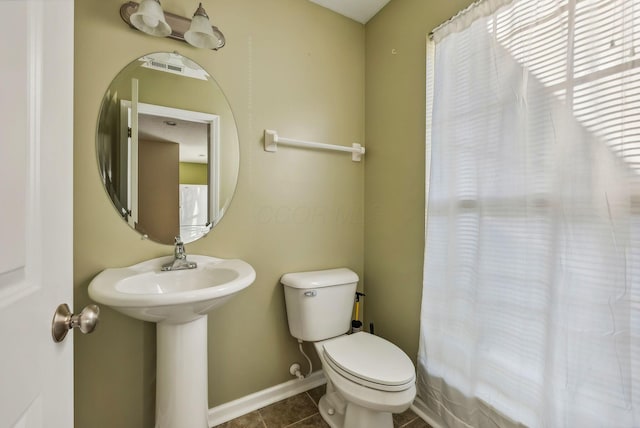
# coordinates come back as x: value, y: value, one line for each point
x: 370, y: 361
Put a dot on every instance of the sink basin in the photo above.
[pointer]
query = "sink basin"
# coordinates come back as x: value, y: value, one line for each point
x: 144, y: 292
x: 178, y: 302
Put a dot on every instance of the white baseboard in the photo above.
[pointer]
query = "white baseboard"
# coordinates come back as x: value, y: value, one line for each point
x: 426, y: 414
x: 231, y: 410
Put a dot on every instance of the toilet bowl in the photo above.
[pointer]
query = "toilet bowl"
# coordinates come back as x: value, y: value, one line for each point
x: 368, y: 377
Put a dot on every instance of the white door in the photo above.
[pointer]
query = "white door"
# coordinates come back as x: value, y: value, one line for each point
x: 36, y: 223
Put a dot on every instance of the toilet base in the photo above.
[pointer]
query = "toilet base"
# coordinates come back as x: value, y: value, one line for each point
x: 330, y: 413
x: 338, y: 415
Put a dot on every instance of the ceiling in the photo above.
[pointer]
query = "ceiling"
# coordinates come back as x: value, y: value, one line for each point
x: 358, y: 10
x: 192, y: 136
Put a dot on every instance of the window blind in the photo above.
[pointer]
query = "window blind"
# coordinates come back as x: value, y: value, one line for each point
x: 587, y: 52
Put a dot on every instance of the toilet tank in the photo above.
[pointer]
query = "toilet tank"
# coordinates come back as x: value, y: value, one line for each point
x: 319, y: 303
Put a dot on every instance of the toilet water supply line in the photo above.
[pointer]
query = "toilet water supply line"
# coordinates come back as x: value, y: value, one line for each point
x: 295, y: 368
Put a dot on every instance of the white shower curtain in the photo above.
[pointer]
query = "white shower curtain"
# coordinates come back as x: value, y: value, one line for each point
x: 531, y: 300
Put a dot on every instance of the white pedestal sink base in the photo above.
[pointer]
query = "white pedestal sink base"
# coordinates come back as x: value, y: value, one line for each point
x: 177, y: 301
x: 181, y: 375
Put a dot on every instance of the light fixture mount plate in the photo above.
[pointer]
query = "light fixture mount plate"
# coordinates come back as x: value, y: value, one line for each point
x: 179, y: 24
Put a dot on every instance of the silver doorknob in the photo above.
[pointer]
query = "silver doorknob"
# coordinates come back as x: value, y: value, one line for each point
x: 64, y: 320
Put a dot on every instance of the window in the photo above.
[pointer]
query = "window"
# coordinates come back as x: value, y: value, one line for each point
x: 531, y: 299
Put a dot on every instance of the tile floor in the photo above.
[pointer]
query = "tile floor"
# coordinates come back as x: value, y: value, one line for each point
x: 301, y: 411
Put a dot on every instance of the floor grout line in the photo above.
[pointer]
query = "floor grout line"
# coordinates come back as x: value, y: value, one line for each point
x: 409, y: 422
x: 303, y: 419
x: 264, y: 424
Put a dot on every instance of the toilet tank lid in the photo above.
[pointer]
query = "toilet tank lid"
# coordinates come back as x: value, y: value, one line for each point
x: 319, y: 278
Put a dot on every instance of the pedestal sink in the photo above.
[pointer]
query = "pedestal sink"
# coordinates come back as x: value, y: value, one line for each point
x: 178, y: 301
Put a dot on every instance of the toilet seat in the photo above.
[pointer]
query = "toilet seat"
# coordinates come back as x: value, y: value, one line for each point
x: 370, y: 361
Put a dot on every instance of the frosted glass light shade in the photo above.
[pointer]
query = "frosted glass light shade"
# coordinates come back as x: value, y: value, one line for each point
x: 149, y: 18
x: 202, y: 35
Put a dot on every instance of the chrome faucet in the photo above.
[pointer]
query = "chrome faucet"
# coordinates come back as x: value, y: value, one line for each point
x: 179, y: 258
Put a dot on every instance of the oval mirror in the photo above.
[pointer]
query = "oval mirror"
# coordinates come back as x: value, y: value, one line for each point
x: 167, y: 148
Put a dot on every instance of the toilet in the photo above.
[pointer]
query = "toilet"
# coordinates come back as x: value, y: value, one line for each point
x: 368, y: 377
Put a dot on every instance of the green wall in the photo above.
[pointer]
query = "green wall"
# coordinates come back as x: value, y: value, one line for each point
x: 293, y: 210
x: 193, y: 173
x: 289, y: 65
x: 394, y: 176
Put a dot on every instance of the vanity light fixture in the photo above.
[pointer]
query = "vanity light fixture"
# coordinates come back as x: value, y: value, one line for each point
x: 149, y: 18
x: 202, y: 34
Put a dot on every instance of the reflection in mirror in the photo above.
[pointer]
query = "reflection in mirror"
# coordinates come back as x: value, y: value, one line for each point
x: 167, y: 148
